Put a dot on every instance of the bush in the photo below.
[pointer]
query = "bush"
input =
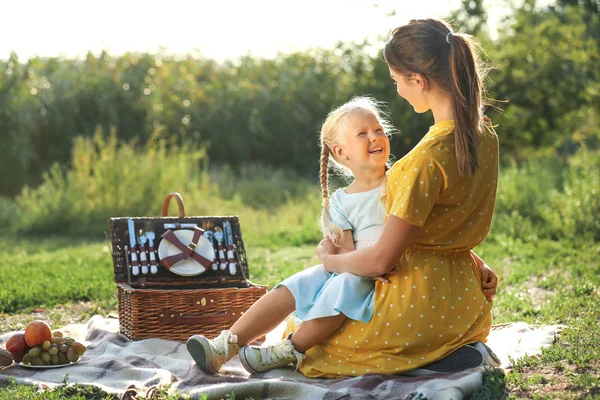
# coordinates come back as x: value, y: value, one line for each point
x: 545, y: 198
x: 107, y: 179
x: 574, y: 211
x: 550, y: 198
x: 110, y: 179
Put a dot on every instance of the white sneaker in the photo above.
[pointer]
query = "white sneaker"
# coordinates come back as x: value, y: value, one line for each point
x: 490, y: 359
x: 261, y: 359
x: 210, y: 355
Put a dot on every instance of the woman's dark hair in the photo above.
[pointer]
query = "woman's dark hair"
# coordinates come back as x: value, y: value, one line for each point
x: 429, y: 47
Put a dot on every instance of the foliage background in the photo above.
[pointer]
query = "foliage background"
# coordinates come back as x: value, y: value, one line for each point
x: 268, y: 111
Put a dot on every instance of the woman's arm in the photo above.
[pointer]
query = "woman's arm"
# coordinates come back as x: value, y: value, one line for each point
x: 489, y: 280
x: 372, y: 261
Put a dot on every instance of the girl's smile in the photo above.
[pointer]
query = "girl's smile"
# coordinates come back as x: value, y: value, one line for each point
x: 364, y: 144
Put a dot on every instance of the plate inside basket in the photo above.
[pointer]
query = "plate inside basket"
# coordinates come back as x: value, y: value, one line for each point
x: 188, y: 267
x: 45, y: 366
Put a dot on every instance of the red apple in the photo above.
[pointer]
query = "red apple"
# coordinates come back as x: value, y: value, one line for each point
x: 17, y: 346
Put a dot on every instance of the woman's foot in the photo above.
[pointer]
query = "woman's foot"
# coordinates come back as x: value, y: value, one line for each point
x: 490, y: 359
x: 261, y: 359
x: 210, y: 355
x: 466, y: 357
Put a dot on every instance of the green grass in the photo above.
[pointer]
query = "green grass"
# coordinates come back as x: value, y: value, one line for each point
x: 568, y: 273
x: 13, y: 391
x: 56, y: 270
x: 568, y: 277
x: 51, y: 271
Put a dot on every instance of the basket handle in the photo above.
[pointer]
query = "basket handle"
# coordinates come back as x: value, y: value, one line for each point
x: 177, y: 196
x: 170, y: 317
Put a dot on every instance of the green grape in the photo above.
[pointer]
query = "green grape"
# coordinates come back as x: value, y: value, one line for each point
x: 54, y: 359
x: 53, y: 350
x: 46, y: 345
x: 35, y: 351
x: 63, y: 348
x: 45, y: 356
x: 37, y: 361
x: 26, y: 359
x: 62, y: 358
x: 72, y: 355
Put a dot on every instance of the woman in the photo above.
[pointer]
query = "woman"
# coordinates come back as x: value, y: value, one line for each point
x: 440, y: 203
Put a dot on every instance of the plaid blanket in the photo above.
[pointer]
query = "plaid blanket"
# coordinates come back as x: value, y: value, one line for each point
x: 131, y: 369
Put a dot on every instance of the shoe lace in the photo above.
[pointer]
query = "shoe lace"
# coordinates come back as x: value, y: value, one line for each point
x: 274, y: 354
x: 223, y: 342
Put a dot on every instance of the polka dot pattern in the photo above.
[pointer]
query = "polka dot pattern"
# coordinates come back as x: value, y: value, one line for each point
x: 433, y: 303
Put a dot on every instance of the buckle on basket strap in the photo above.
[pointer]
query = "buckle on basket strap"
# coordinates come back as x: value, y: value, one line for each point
x: 186, y: 251
x: 203, y: 300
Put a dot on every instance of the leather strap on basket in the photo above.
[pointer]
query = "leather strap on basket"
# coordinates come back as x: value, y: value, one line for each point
x: 186, y: 251
x: 177, y: 196
x: 230, y: 256
x: 170, y: 317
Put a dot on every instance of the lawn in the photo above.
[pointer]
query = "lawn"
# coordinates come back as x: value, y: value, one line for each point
x: 541, y: 282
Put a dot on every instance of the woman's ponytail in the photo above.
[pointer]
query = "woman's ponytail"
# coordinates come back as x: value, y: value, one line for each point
x: 466, y: 89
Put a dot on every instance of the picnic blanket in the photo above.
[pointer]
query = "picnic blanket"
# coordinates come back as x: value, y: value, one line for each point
x: 131, y: 369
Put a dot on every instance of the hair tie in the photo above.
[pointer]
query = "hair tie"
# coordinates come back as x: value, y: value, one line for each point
x: 448, y: 37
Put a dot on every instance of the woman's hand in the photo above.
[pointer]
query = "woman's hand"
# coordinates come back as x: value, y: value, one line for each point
x: 489, y: 281
x: 384, y: 278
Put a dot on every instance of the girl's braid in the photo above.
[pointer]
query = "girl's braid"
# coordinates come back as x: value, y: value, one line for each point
x: 324, y: 175
x: 330, y: 230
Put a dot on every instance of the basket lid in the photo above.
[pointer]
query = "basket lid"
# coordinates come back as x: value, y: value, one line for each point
x: 187, y: 273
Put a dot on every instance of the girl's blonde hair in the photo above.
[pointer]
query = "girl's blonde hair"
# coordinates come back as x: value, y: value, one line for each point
x: 331, y: 133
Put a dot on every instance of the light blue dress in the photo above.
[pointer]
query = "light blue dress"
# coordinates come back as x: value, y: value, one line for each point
x: 319, y: 293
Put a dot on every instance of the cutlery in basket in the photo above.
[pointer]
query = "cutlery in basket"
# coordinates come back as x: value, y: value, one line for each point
x: 219, y: 237
x: 151, y: 236
x: 229, y: 247
x: 142, y: 239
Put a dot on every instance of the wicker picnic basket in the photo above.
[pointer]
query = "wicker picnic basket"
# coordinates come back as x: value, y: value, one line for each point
x: 158, y: 303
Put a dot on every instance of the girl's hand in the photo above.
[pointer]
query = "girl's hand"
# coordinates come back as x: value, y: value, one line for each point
x: 489, y: 281
x: 324, y: 249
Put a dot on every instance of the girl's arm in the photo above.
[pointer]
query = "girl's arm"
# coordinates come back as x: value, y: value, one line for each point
x: 348, y: 246
x: 376, y: 260
x: 489, y: 280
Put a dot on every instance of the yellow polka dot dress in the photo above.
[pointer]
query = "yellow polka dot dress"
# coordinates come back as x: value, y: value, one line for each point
x: 434, y: 303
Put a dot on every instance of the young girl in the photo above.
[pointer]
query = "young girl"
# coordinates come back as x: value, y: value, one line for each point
x: 353, y: 135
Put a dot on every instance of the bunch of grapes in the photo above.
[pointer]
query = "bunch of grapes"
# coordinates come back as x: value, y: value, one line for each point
x: 60, y: 350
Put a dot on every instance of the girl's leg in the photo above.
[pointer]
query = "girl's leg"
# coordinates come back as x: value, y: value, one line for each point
x: 264, y: 315
x: 261, y: 318
x: 310, y: 333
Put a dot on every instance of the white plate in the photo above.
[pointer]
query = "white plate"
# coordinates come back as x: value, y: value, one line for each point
x: 189, y: 267
x: 45, y: 366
